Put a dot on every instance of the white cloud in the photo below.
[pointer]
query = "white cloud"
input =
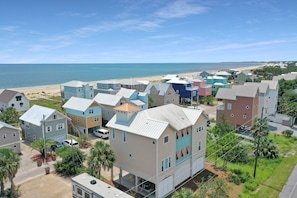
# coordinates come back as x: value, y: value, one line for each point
x: 38, y: 47
x: 8, y: 28
x: 163, y: 36
x: 180, y: 8
x: 77, y: 14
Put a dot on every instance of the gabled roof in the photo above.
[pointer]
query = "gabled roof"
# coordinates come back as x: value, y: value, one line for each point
x: 152, y: 122
x: 137, y: 102
x: 223, y: 73
x: 107, y: 99
x: 74, y: 83
x: 161, y: 88
x: 272, y: 83
x: 80, y: 104
x: 263, y: 87
x: 126, y: 93
x: 130, y: 82
x: 216, y: 77
x: 126, y: 107
x: 108, y: 82
x: 7, y: 95
x: 36, y: 113
x: 178, y: 81
x: 238, y: 90
x: 3, y: 124
x: 170, y: 76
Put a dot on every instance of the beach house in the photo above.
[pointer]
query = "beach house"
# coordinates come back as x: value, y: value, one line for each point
x: 135, y: 97
x: 272, y: 97
x: 76, y: 88
x: 107, y: 86
x: 133, y: 84
x: 185, y: 89
x: 43, y: 122
x: 161, y: 94
x: 159, y: 147
x: 240, y: 105
x: 85, y: 114
x: 10, y: 137
x: 217, y: 82
x: 204, y: 89
x: 14, y: 99
x: 107, y: 103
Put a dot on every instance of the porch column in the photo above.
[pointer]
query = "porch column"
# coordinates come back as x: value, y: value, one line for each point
x: 120, y: 175
x: 136, y: 183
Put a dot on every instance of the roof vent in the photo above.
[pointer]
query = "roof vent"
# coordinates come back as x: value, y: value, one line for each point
x: 93, y: 182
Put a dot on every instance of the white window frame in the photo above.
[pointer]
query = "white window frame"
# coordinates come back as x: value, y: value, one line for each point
x: 124, y: 136
x: 4, y: 136
x: 229, y: 106
x: 166, y: 137
x: 114, y: 135
x: 96, y: 119
x: 60, y: 126
x: 166, y: 164
x: 199, y: 145
x: 48, y: 129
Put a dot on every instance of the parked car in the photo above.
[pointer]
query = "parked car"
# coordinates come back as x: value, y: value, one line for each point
x: 70, y: 143
x: 102, y: 133
x: 57, y: 145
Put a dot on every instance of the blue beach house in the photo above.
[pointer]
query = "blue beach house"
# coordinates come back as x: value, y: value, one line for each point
x: 85, y: 114
x: 184, y: 88
x: 76, y: 88
x: 217, y: 82
x: 140, y: 99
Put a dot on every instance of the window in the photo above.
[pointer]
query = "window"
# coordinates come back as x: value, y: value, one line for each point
x: 244, y: 116
x: 166, y: 163
x: 184, y: 132
x: 34, y: 137
x: 91, y: 111
x: 124, y: 136
x: 60, y: 126
x: 188, y: 149
x: 12, y: 105
x: 48, y: 128
x: 166, y: 139
x: 199, y: 128
x: 55, y: 117
x: 232, y: 115
x: 96, y: 119
x: 199, y: 146
x: 18, y: 98
x: 87, y: 195
x: 78, y: 120
x: 113, y: 134
x: 183, y: 151
x: 247, y: 106
x: 13, y: 134
x: 178, y: 135
x: 79, y: 191
x: 178, y: 155
x: 4, y: 136
x: 28, y: 136
x: 21, y: 104
x: 229, y: 106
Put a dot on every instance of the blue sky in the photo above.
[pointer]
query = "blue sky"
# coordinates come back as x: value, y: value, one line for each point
x: 147, y: 31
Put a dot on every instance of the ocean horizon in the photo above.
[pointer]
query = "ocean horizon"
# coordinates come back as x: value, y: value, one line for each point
x: 30, y: 75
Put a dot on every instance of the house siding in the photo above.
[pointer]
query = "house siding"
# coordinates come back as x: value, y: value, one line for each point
x: 11, y: 140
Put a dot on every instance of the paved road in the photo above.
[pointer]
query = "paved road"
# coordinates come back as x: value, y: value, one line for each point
x: 290, y: 189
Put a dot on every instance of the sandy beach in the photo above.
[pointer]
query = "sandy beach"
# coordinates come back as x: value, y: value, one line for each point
x: 47, y: 91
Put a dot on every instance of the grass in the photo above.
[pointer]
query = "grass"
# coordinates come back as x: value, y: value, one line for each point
x: 53, y: 102
x: 271, y: 174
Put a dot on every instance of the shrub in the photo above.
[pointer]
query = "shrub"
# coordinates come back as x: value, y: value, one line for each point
x: 251, y: 185
x: 288, y: 133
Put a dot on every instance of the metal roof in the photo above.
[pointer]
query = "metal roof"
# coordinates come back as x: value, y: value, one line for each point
x: 126, y: 93
x: 152, y: 122
x: 130, y: 82
x: 170, y: 76
x: 107, y: 99
x: 74, y: 83
x: 160, y: 87
x: 3, y: 124
x: 137, y: 102
x: 126, y: 107
x: 35, y: 114
x: 178, y: 81
x: 99, y: 187
x: 80, y: 104
x: 238, y: 90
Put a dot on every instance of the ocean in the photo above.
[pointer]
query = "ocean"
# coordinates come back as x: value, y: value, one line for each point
x: 29, y: 75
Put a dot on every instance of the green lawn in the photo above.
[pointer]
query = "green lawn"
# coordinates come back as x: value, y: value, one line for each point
x: 53, y: 102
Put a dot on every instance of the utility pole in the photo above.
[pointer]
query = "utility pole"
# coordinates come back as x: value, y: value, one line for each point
x: 258, y: 145
x: 44, y: 136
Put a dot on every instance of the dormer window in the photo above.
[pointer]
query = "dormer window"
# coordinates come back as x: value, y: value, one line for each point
x: 18, y: 98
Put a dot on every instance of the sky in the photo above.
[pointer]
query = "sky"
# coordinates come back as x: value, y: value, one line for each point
x: 147, y: 31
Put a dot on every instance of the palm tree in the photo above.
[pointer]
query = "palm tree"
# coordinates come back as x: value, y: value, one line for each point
x: 260, y: 128
x: 185, y: 193
x: 3, y: 176
x: 39, y: 145
x: 268, y: 149
x: 101, y: 156
x: 10, y: 163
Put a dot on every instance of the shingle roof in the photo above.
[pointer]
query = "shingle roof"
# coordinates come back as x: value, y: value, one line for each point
x: 35, y: 114
x: 80, y: 104
x: 74, y: 83
x: 3, y: 124
x: 126, y: 93
x: 272, y: 83
x: 107, y: 99
x: 152, y: 122
x: 263, y: 87
x: 126, y: 107
x: 238, y: 90
x: 7, y: 95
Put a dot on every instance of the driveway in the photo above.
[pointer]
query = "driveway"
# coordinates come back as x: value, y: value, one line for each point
x: 279, y: 128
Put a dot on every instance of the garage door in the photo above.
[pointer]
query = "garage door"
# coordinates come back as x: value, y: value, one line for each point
x: 198, y: 165
x: 165, y: 186
x: 182, y: 173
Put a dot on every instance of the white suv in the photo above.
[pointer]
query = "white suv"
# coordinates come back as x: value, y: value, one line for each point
x: 70, y: 143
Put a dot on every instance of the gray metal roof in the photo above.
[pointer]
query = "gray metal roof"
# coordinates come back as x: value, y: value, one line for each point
x: 7, y: 95
x: 107, y: 99
x: 126, y: 93
x: 3, y: 124
x: 80, y: 104
x: 289, y: 76
x: 263, y: 87
x: 130, y: 82
x: 226, y: 94
x: 178, y: 81
x: 100, y: 188
x: 272, y: 83
x: 152, y: 122
x: 137, y: 102
x: 170, y: 76
x: 35, y: 114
